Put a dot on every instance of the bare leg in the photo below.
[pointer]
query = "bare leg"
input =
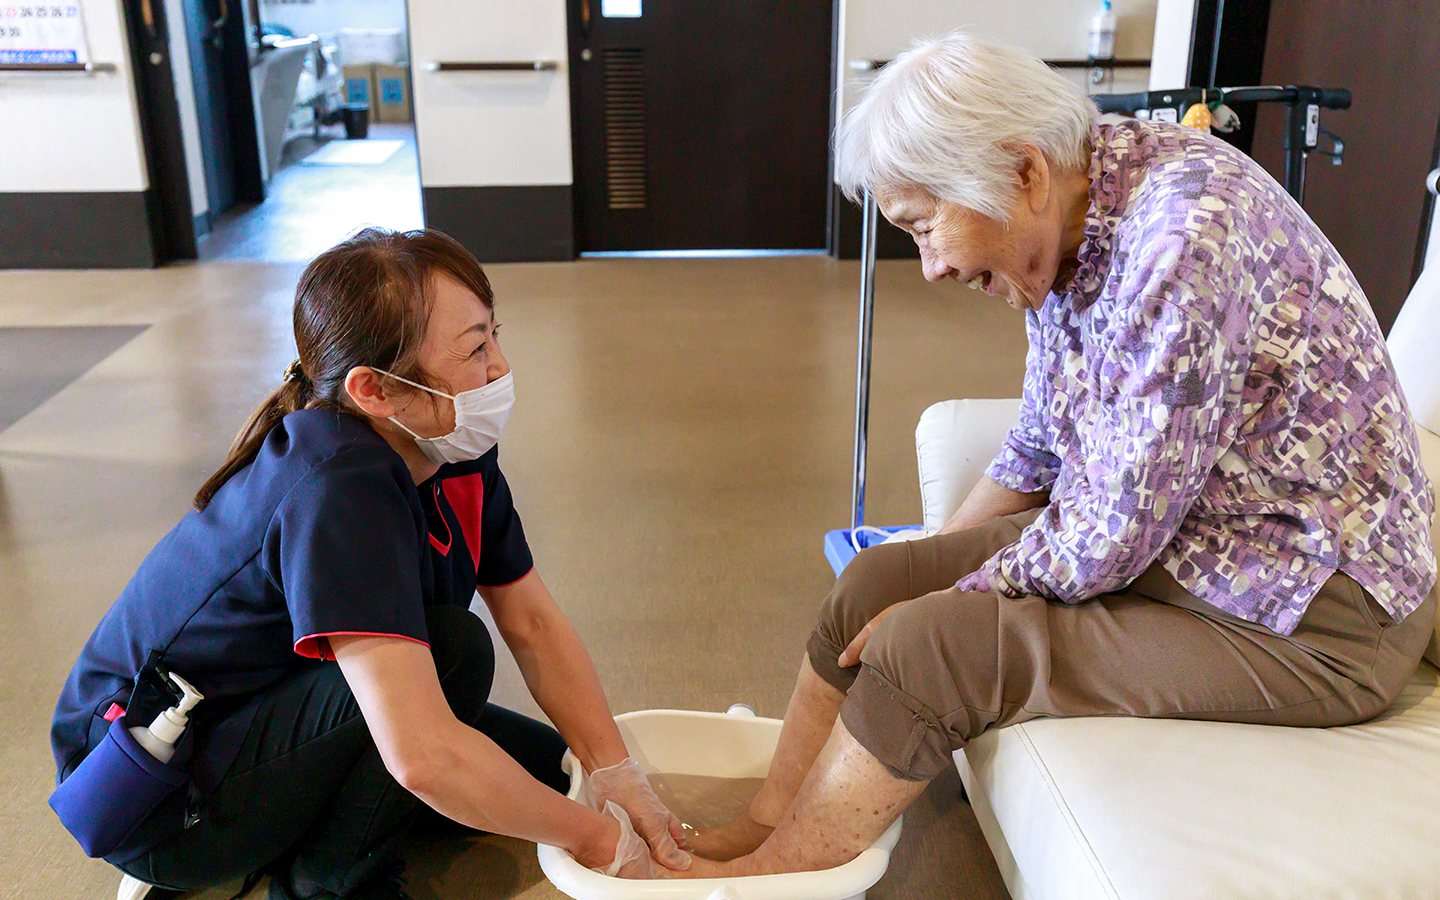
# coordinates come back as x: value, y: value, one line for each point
x: 809, y: 719
x: 846, y: 802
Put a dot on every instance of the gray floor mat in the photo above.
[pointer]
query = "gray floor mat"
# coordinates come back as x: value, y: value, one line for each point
x: 37, y: 363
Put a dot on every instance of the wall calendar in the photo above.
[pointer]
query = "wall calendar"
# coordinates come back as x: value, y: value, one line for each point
x: 42, y: 33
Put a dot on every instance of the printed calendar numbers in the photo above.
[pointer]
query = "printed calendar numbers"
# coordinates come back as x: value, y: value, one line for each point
x: 39, y: 12
x: 42, y: 33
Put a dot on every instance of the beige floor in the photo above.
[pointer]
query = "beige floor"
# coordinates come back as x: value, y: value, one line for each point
x: 681, y: 442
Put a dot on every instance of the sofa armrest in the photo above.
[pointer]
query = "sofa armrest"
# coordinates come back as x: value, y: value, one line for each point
x: 955, y: 443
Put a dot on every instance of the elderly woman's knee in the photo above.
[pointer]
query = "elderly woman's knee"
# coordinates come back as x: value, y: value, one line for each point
x: 899, y: 644
x: 925, y: 683
x: 876, y: 578
x: 947, y: 638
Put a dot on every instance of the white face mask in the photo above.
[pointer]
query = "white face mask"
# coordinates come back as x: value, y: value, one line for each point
x: 480, y: 416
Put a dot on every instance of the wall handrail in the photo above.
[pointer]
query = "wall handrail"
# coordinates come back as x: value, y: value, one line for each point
x: 871, y: 65
x: 532, y: 65
x: 85, y: 68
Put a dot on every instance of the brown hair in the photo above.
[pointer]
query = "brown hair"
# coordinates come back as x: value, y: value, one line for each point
x: 363, y: 302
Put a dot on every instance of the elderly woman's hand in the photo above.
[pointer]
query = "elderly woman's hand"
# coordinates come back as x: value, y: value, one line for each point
x: 851, y: 656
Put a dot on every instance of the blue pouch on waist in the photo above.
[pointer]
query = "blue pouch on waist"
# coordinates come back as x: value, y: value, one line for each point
x: 112, y: 791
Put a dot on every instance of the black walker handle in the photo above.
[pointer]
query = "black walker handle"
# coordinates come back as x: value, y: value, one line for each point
x: 1302, y: 102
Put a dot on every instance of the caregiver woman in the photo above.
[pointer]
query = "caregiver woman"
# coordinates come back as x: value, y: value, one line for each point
x: 356, y: 516
x: 1211, y: 506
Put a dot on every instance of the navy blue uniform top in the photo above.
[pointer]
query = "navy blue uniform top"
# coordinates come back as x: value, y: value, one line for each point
x: 325, y: 533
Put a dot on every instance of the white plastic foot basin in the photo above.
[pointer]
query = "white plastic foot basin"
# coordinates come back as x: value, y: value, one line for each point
x: 736, y: 744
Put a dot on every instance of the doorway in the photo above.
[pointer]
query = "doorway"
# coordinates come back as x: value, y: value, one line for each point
x: 326, y: 147
x: 197, y: 116
x: 168, y: 207
x: 700, y: 126
x: 216, y: 39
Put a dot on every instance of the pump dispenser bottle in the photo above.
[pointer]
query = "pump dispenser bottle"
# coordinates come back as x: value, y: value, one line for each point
x: 159, y: 739
x: 1102, y: 32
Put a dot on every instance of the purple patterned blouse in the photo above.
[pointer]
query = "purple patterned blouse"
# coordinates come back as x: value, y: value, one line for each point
x: 1212, y: 392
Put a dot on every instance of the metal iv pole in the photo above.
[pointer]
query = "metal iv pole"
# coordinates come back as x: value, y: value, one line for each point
x: 869, y: 223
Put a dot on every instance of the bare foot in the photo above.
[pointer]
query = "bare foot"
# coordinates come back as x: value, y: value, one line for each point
x: 727, y: 842
x: 705, y: 868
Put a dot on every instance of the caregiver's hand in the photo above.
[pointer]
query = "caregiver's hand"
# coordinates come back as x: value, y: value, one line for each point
x: 632, y: 855
x: 626, y: 786
x: 851, y: 656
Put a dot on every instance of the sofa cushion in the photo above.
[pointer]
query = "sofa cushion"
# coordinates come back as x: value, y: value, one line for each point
x: 1134, y: 809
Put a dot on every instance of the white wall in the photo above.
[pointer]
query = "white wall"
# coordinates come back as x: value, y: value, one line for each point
x: 1051, y: 29
x: 491, y: 128
x: 82, y: 134
x: 514, y: 128
x: 1170, y: 56
x: 72, y: 133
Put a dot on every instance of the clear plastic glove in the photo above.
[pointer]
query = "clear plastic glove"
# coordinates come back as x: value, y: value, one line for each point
x: 625, y: 785
x: 632, y: 855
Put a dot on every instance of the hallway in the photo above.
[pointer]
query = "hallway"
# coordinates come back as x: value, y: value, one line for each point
x: 309, y: 208
x: 681, y: 441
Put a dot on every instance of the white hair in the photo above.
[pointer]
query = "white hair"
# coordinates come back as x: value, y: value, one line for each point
x: 950, y: 117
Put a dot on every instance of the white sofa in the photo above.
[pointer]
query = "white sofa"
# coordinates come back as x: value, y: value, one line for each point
x: 1147, y: 809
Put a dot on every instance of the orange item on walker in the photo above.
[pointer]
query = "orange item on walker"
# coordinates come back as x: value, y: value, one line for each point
x: 1197, y: 116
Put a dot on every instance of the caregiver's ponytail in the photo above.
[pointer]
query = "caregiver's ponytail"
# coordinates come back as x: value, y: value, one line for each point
x: 293, y: 394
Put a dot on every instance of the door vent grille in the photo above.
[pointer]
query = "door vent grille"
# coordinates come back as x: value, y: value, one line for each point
x: 625, y: 129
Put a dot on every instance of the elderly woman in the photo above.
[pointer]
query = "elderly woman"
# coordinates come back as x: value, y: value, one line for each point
x: 1211, y: 506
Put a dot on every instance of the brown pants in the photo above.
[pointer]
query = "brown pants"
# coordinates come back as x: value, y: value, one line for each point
x: 950, y: 664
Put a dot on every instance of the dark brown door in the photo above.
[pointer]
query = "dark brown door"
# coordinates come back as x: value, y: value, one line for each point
x: 1372, y: 206
x: 701, y: 124
x: 172, y: 224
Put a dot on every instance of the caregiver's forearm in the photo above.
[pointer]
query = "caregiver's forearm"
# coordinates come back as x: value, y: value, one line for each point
x: 455, y: 769
x: 557, y: 670
x: 474, y: 782
x: 562, y: 678
x: 988, y: 500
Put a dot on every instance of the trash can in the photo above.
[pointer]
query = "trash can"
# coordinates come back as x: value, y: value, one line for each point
x: 356, y: 117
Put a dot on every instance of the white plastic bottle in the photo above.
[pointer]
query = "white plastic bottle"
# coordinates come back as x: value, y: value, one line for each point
x: 1102, y: 32
x: 159, y: 739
